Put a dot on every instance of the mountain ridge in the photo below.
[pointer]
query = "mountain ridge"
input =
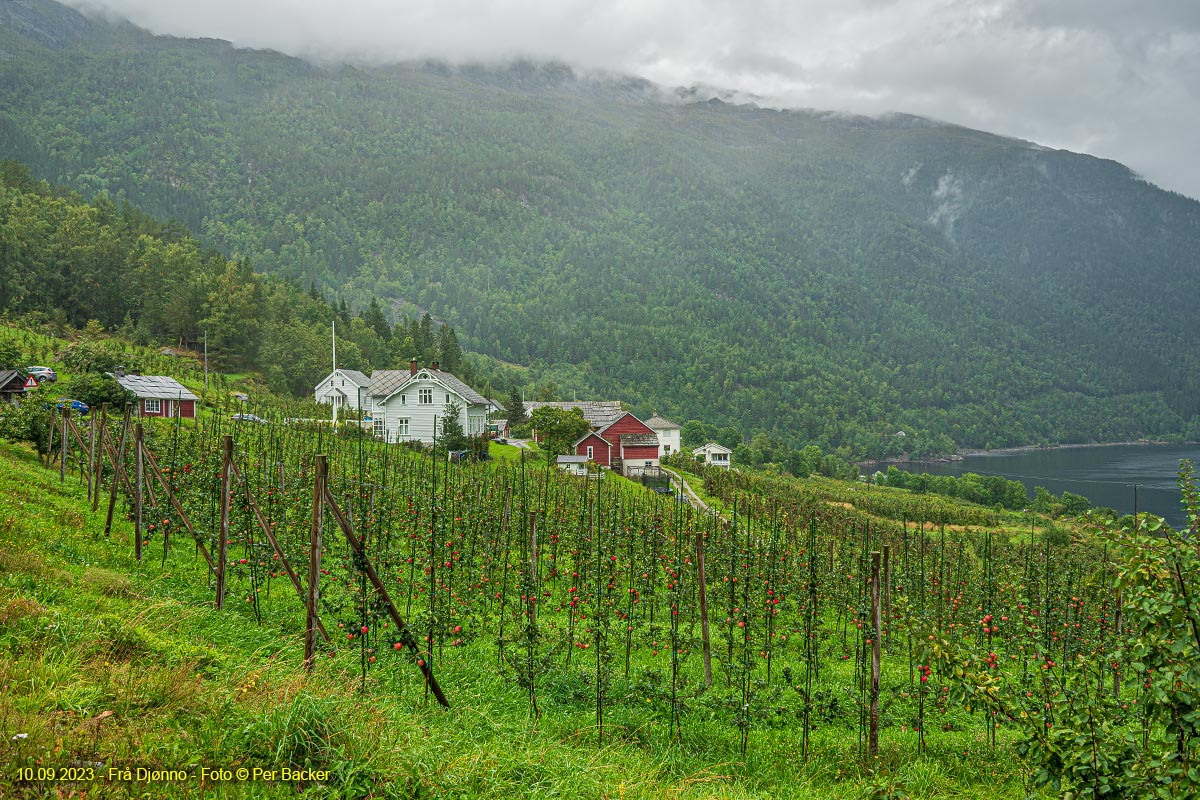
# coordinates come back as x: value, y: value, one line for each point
x: 824, y: 277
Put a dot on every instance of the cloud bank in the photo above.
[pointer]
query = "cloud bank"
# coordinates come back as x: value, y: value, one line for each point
x: 1111, y: 78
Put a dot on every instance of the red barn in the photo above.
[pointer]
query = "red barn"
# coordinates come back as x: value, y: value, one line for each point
x: 594, y: 447
x: 160, y: 396
x: 625, y: 444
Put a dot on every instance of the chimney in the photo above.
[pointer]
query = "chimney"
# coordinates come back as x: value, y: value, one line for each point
x: 412, y: 366
x: 121, y: 372
x: 435, y: 365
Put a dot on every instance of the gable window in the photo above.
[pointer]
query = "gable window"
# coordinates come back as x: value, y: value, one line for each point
x: 425, y: 397
x: 591, y: 452
x: 153, y: 406
x: 402, y: 427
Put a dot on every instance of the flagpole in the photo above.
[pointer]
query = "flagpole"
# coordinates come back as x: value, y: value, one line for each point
x: 333, y: 335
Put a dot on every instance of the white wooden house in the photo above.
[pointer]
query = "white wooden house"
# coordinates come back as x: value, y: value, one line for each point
x: 714, y: 454
x: 409, y: 405
x: 344, y: 388
x: 667, y: 433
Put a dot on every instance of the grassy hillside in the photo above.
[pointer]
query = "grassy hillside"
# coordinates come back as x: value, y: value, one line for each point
x: 108, y: 664
x: 825, y: 278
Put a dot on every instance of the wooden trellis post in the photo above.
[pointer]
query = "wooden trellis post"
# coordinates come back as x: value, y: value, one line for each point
x: 139, y: 481
x: 98, y: 459
x: 314, y: 564
x: 223, y: 542
x: 876, y: 630
x: 887, y: 591
x: 63, y: 444
x: 91, y: 451
x: 702, y: 588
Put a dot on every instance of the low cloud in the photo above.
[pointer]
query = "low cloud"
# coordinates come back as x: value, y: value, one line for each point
x: 1107, y: 77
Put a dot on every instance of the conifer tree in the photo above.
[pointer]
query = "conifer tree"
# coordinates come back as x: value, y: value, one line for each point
x: 376, y: 321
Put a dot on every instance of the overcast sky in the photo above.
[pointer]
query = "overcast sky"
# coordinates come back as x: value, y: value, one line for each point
x: 1115, y: 78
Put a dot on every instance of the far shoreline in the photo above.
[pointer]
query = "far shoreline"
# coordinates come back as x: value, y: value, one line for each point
x: 1025, y: 448
x: 1029, y: 448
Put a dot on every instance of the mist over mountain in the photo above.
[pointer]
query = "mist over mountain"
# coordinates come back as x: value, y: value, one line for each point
x: 824, y: 277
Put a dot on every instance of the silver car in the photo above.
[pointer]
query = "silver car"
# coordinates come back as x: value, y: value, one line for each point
x: 42, y: 374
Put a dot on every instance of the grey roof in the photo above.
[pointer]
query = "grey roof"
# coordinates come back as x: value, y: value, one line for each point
x: 387, y: 382
x: 598, y: 413
x: 639, y: 440
x: 359, y: 378
x: 572, y: 459
x: 7, y: 375
x: 711, y: 447
x: 657, y: 423
x: 154, y: 387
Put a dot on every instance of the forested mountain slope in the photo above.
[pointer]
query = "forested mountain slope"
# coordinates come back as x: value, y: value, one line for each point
x: 823, y: 277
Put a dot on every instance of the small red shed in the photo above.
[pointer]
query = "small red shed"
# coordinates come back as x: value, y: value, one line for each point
x: 160, y: 396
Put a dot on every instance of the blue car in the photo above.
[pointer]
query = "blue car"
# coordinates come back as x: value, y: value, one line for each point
x: 77, y: 406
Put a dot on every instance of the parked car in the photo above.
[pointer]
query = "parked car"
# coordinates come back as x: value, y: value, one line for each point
x: 248, y: 418
x: 468, y: 455
x: 77, y: 406
x: 42, y: 374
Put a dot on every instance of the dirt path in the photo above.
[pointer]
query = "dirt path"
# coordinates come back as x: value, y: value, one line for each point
x: 692, y: 497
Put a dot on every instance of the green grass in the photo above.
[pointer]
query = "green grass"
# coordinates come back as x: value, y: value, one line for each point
x: 108, y: 661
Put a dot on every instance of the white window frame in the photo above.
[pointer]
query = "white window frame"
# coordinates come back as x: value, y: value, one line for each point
x: 402, y: 426
x: 377, y: 427
x: 425, y: 397
x: 152, y: 405
x: 591, y: 452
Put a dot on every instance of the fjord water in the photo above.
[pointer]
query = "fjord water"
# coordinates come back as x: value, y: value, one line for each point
x: 1105, y: 475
